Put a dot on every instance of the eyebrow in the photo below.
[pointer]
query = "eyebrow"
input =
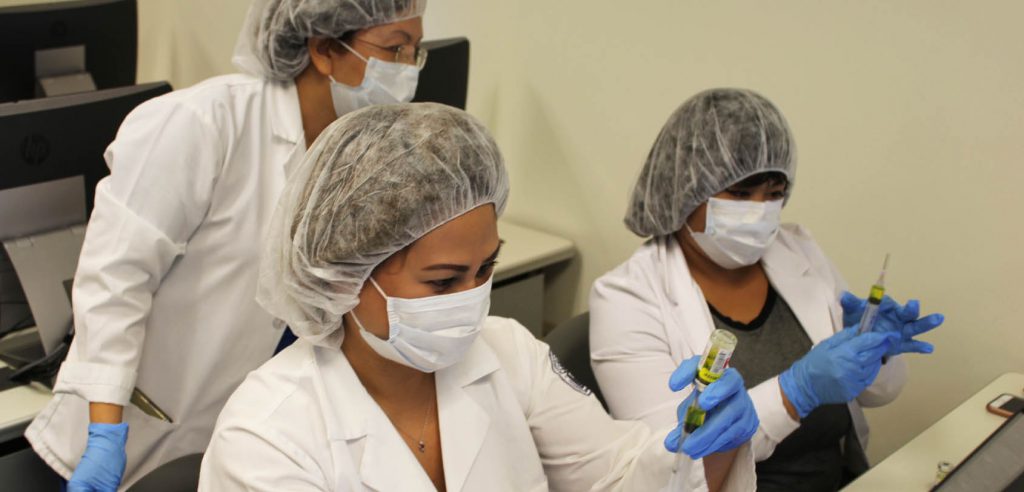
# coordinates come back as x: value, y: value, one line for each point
x: 465, y: 268
x: 405, y: 36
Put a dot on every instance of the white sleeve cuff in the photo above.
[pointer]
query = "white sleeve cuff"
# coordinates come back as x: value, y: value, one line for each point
x: 99, y: 383
x: 776, y: 424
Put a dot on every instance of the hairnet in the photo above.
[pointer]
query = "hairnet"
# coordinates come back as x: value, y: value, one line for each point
x: 715, y: 139
x: 375, y: 181
x: 273, y: 38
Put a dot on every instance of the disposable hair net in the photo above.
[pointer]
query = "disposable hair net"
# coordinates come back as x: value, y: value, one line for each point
x: 714, y: 140
x: 272, y: 43
x: 375, y: 181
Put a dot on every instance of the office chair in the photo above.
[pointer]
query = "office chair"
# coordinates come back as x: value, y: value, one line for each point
x: 570, y: 342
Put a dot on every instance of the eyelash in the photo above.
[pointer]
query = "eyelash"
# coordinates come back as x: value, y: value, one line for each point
x: 446, y: 283
x: 746, y: 194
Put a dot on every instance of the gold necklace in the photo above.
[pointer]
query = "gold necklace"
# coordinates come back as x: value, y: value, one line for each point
x: 426, y: 418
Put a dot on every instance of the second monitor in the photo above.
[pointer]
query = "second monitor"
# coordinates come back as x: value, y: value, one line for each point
x: 64, y: 42
x: 445, y: 78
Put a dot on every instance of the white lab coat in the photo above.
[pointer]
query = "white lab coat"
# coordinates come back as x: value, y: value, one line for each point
x: 647, y: 315
x: 164, y: 292
x: 509, y: 421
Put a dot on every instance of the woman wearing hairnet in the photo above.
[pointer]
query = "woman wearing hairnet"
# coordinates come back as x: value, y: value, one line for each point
x: 710, y: 196
x: 163, y: 296
x: 380, y: 258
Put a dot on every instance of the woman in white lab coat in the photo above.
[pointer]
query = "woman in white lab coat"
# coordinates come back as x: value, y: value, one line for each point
x: 163, y: 296
x: 380, y: 258
x: 710, y: 194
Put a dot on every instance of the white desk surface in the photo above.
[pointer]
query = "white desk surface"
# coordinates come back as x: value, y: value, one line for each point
x: 526, y: 250
x: 952, y: 438
x: 19, y: 405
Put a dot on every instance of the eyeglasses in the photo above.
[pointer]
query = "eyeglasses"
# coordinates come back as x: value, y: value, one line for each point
x: 417, y: 56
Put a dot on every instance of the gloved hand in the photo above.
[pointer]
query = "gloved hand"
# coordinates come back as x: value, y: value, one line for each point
x: 730, y: 421
x: 836, y: 370
x: 893, y: 318
x: 102, y: 465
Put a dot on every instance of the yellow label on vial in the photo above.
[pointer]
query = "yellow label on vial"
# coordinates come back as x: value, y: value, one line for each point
x: 876, y: 293
x: 713, y: 365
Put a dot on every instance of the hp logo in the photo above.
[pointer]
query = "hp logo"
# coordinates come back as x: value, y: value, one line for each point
x: 35, y: 149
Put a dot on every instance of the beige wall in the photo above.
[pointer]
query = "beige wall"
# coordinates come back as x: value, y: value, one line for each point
x: 909, y: 119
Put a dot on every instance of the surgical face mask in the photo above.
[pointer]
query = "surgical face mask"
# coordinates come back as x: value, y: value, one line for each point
x: 383, y: 83
x: 430, y: 333
x: 737, y: 232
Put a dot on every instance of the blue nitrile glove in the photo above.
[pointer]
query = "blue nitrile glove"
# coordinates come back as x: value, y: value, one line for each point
x: 893, y: 318
x: 102, y: 465
x: 730, y: 421
x: 836, y: 370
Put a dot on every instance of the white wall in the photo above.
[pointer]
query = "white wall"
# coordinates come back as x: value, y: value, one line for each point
x: 909, y: 119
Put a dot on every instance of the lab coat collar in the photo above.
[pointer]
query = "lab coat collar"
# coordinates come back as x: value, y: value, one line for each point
x: 349, y: 404
x: 286, y: 117
x: 807, y: 295
x: 478, y: 362
x: 358, y: 424
x: 689, y: 308
x: 464, y: 423
x: 779, y: 257
x: 789, y: 273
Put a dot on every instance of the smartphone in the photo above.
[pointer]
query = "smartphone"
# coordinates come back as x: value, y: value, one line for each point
x: 1005, y: 405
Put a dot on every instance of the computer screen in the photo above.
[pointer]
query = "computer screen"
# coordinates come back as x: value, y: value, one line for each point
x: 43, y: 140
x: 51, y: 151
x: 106, y: 30
x: 445, y: 78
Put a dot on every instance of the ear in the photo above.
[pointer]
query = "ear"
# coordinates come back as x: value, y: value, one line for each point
x: 320, y: 55
x: 697, y: 220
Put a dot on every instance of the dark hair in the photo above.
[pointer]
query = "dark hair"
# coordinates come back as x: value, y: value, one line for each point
x: 771, y: 177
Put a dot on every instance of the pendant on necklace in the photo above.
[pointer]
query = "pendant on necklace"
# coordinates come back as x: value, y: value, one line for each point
x: 423, y: 447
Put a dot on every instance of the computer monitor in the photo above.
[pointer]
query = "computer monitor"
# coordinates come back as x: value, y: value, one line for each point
x: 445, y: 78
x: 60, y: 137
x: 51, y: 157
x: 97, y: 37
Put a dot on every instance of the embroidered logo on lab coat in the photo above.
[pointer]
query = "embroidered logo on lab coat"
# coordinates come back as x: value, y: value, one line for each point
x: 567, y: 376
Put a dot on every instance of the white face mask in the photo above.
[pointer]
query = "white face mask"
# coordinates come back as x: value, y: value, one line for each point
x: 383, y: 83
x: 737, y: 232
x: 430, y: 333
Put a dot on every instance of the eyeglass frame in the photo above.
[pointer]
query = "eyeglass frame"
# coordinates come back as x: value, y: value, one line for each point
x: 419, y: 56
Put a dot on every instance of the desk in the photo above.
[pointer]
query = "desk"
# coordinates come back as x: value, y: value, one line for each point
x: 952, y: 438
x: 20, y: 404
x: 20, y: 468
x: 527, y: 250
x: 522, y: 268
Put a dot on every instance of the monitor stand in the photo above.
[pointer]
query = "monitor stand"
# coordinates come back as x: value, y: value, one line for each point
x: 61, y: 71
x: 44, y: 263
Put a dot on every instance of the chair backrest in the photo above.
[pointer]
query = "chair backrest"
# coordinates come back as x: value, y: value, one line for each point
x: 173, y: 476
x: 570, y: 342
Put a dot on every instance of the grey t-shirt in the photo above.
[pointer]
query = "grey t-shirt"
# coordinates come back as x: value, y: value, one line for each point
x: 811, y: 457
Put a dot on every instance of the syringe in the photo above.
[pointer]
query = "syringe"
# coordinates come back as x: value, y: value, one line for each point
x: 713, y: 363
x: 874, y: 300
